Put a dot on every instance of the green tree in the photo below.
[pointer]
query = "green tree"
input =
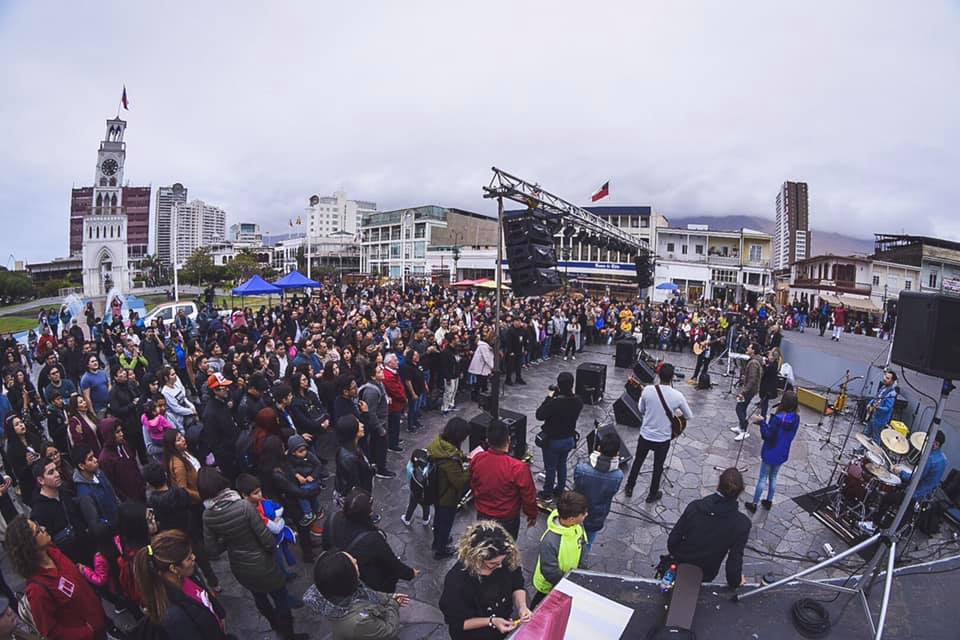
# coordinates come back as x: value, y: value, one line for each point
x: 244, y: 265
x: 199, y: 268
x: 15, y: 285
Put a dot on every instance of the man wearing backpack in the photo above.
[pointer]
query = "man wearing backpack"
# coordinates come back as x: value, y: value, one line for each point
x: 447, y: 482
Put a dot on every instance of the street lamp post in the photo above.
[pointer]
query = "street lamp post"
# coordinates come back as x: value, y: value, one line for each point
x: 456, y: 236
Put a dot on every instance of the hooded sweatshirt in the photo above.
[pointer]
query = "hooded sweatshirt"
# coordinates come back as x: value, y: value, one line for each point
x: 119, y: 464
x: 454, y: 478
x: 778, y: 434
x: 64, y: 606
x: 562, y: 549
x: 708, y: 529
x: 365, y: 615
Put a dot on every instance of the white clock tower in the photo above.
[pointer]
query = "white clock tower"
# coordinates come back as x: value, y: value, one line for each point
x: 105, y: 227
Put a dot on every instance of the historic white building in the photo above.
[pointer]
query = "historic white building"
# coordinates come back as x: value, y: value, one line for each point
x: 104, y: 247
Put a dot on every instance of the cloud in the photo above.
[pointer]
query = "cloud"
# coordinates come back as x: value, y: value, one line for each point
x: 694, y: 109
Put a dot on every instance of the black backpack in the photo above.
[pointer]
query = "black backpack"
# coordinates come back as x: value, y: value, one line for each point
x: 246, y: 458
x: 425, y: 476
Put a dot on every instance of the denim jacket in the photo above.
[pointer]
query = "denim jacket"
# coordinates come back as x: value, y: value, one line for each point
x: 599, y: 486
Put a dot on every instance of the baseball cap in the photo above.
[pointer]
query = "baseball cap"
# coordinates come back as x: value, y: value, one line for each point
x: 217, y: 380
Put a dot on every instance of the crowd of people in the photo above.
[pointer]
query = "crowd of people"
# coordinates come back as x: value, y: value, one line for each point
x: 142, y: 452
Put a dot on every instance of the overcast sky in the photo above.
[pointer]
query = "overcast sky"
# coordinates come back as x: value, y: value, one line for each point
x: 694, y: 109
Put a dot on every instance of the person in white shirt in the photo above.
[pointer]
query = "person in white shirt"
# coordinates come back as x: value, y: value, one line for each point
x: 655, y: 430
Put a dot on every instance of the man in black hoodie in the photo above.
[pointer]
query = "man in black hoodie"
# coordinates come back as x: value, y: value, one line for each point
x: 559, y: 411
x: 711, y: 528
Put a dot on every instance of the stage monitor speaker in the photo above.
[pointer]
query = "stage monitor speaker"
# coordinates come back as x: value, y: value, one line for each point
x: 531, y: 254
x: 643, y: 372
x: 516, y: 423
x: 591, y: 382
x: 626, y: 411
x: 926, y: 334
x: 626, y: 354
x: 534, y: 282
x: 601, y: 431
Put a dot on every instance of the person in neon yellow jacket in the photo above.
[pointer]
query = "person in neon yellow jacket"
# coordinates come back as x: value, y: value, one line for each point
x: 563, y: 546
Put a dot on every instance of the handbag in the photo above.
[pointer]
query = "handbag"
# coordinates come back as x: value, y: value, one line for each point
x: 677, y: 423
x: 541, y: 438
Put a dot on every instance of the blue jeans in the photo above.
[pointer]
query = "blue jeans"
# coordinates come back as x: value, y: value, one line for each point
x: 591, y: 537
x: 742, y: 413
x: 546, y: 347
x: 280, y: 605
x: 413, y: 412
x: 310, y: 506
x: 442, y: 525
x: 393, y: 429
x: 768, y: 472
x: 555, y: 454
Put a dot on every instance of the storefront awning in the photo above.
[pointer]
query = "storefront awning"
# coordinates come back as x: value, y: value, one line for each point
x: 854, y: 303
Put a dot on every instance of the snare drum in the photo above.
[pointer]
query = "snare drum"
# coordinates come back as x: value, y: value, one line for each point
x: 855, y: 480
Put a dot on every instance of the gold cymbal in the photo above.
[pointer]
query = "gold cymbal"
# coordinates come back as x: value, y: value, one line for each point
x: 894, y: 441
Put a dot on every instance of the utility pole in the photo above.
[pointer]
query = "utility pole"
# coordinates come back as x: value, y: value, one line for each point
x: 457, y: 237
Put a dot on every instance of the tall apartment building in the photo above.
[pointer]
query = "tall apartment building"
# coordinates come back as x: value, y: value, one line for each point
x: 333, y: 214
x: 791, y: 239
x: 198, y: 224
x: 166, y: 198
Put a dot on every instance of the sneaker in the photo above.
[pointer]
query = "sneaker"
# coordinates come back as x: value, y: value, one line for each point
x: 375, y: 518
x: 867, y: 527
x: 523, y: 382
x: 317, y: 527
x: 307, y: 520
x: 564, y: 358
x: 573, y: 357
x: 405, y: 520
x: 541, y: 476
x: 751, y: 507
x: 766, y: 504
x: 426, y: 521
x: 395, y: 449
x: 386, y: 475
x: 653, y: 498
x: 544, y: 496
x: 735, y: 429
x: 743, y: 435
x: 691, y: 381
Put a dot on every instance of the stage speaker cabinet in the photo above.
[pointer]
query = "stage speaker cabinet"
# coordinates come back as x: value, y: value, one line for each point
x: 516, y: 423
x: 591, y: 382
x: 600, y: 432
x: 812, y: 400
x: 626, y: 354
x: 644, y: 372
x: 926, y: 334
x: 626, y: 411
x: 534, y: 281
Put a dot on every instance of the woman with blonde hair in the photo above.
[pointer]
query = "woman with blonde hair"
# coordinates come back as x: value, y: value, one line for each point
x: 484, y: 588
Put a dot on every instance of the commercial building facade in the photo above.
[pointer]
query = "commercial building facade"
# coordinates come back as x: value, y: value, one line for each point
x: 792, y: 240
x: 197, y: 224
x: 167, y: 198
x: 332, y: 214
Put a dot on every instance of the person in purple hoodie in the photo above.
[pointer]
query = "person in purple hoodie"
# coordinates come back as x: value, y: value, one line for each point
x: 777, y: 433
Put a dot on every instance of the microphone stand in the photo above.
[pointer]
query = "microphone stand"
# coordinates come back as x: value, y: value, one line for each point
x: 736, y: 462
x: 833, y: 417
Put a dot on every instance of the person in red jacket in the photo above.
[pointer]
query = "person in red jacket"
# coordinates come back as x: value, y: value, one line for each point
x: 63, y: 605
x: 839, y: 321
x: 502, y: 485
x: 396, y: 400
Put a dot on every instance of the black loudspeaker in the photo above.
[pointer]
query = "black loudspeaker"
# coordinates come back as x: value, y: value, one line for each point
x: 600, y: 432
x: 644, y: 372
x: 591, y: 382
x: 626, y: 354
x: 926, y: 336
x: 626, y: 411
x: 534, y: 282
x: 516, y: 422
x: 645, y: 269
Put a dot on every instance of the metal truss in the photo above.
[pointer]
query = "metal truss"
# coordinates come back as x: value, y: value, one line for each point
x: 505, y: 185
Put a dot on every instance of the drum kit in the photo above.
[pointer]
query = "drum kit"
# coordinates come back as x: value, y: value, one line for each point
x: 874, y: 471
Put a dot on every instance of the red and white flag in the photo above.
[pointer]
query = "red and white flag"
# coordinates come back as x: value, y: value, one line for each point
x: 601, y: 193
x: 123, y: 99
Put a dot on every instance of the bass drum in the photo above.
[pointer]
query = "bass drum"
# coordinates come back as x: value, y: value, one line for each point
x: 854, y: 483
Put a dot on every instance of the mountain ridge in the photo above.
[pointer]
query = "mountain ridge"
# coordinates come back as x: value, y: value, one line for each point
x: 823, y: 242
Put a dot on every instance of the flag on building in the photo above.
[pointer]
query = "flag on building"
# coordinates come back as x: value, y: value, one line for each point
x: 601, y: 193
x: 123, y: 99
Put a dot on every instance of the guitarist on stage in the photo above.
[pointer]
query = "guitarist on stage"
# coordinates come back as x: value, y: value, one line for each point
x: 880, y: 410
x: 703, y: 348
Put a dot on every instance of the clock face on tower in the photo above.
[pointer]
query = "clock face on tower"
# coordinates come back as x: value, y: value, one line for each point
x: 109, y: 167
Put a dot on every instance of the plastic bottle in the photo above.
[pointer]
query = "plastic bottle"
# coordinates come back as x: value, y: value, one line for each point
x: 666, y: 582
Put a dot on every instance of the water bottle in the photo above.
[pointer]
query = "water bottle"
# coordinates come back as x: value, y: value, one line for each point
x: 666, y: 582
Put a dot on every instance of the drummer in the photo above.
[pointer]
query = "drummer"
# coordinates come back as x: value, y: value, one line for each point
x: 883, y: 406
x: 929, y: 481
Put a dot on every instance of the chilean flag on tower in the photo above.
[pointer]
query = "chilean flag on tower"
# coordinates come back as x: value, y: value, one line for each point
x: 601, y: 193
x: 123, y: 99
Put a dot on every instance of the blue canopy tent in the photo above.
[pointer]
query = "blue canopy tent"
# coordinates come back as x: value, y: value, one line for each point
x: 669, y: 286
x: 296, y: 280
x: 256, y: 286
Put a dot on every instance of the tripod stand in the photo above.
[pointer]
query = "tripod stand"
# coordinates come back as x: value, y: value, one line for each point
x: 889, y: 538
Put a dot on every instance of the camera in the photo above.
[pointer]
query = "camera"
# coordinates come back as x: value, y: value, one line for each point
x: 552, y: 387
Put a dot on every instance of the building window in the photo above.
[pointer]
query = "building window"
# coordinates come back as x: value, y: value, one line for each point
x: 876, y: 281
x: 698, y: 249
x: 635, y: 221
x: 670, y: 247
x: 395, y: 250
x: 756, y: 253
x: 932, y: 282
x: 420, y: 230
x: 419, y: 249
x: 645, y: 223
x: 394, y: 233
x: 683, y: 249
x: 907, y: 285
